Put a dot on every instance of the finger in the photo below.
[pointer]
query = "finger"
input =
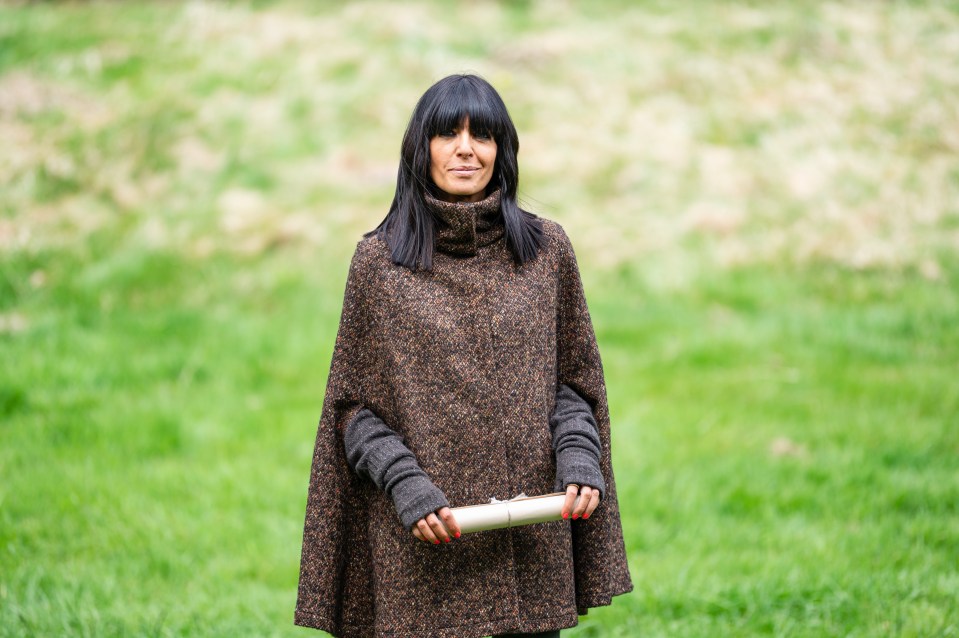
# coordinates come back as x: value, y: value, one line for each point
x: 417, y: 533
x: 585, y: 492
x: 437, y: 527
x: 571, y: 491
x: 426, y: 531
x: 593, y: 503
x: 446, y: 515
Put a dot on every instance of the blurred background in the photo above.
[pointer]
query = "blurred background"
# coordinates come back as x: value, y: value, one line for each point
x: 764, y: 201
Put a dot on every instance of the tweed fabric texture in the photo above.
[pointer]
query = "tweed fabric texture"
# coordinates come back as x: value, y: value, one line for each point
x: 464, y: 362
x: 376, y: 451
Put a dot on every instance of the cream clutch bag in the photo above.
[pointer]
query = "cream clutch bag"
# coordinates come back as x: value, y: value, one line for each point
x: 519, y: 510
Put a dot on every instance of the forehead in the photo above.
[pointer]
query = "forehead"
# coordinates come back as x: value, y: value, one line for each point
x: 464, y: 109
x: 463, y: 123
x: 460, y: 121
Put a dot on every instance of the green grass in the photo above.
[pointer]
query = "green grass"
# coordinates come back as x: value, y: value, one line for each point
x: 762, y: 198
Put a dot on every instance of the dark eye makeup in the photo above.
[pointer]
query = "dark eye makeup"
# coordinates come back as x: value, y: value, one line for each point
x: 481, y: 135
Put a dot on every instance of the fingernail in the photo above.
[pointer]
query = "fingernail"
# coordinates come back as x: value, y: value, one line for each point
x: 575, y: 515
x: 449, y: 540
x: 585, y: 515
x: 436, y: 542
x: 565, y: 514
x: 457, y: 534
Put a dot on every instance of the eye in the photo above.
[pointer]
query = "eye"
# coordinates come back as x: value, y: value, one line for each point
x: 447, y: 133
x: 483, y: 135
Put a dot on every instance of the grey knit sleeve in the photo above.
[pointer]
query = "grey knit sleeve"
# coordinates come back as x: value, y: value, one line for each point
x: 375, y: 451
x: 576, y: 442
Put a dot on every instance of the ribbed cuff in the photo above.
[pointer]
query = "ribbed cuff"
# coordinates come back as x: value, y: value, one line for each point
x: 574, y: 466
x: 415, y: 497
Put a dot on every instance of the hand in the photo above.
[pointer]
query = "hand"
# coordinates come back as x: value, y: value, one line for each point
x: 589, y: 501
x: 431, y: 530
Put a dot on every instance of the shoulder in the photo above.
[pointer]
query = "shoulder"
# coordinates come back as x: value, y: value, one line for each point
x: 553, y: 229
x: 558, y: 244
x: 370, y: 253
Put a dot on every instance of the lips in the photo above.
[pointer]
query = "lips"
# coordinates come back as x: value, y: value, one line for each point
x: 464, y: 170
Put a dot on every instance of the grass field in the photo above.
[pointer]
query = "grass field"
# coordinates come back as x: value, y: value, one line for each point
x: 764, y: 200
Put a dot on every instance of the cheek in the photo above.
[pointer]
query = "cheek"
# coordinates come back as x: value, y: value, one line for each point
x: 437, y: 156
x: 436, y: 164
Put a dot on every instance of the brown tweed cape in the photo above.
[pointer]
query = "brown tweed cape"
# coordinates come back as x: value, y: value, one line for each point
x: 463, y: 362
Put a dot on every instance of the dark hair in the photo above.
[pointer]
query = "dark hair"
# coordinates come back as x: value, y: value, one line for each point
x: 410, y: 228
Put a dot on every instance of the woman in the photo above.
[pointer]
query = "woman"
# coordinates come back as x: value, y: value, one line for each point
x: 465, y: 369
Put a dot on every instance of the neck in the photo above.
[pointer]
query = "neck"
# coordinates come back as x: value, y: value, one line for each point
x: 463, y: 227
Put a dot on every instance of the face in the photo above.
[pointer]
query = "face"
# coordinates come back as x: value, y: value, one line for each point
x: 461, y: 163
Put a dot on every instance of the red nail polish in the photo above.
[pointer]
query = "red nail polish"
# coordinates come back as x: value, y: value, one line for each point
x: 436, y: 542
x: 449, y: 540
x: 575, y: 516
x: 585, y: 515
x: 565, y: 515
x: 457, y: 534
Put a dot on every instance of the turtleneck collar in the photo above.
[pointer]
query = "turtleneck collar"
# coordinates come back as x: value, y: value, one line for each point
x: 466, y: 226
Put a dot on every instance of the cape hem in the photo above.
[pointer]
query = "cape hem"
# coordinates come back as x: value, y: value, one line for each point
x: 505, y: 624
x: 602, y: 600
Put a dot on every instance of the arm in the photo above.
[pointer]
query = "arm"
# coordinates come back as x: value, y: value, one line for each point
x: 375, y: 451
x: 579, y: 368
x: 576, y: 442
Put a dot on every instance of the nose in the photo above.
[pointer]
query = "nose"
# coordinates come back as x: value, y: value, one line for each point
x: 464, y: 145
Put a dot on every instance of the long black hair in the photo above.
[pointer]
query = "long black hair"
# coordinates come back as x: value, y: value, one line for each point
x: 410, y: 228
